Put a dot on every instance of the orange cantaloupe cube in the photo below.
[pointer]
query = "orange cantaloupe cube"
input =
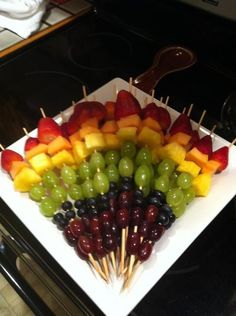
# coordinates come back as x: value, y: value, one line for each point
x: 58, y: 144
x: 180, y: 138
x: 151, y: 123
x: 127, y: 133
x: 92, y: 122
x: 197, y: 156
x: 129, y: 121
x: 109, y: 127
x: 16, y: 167
x: 110, y: 108
x: 211, y: 167
x: 75, y: 137
x: 149, y: 137
x: 112, y: 141
x: 87, y: 130
x: 40, y: 148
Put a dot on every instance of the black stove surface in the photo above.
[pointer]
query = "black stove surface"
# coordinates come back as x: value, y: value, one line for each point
x: 93, y: 51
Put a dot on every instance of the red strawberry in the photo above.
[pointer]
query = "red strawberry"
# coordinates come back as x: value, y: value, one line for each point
x: 151, y: 110
x: 30, y: 143
x: 64, y: 130
x: 126, y: 104
x: 48, y: 130
x: 204, y: 145
x: 195, y: 138
x: 181, y: 124
x: 222, y: 156
x: 7, y: 158
x: 165, y: 119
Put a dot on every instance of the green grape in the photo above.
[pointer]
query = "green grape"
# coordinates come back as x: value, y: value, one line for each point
x: 88, y: 189
x: 84, y: 170
x: 189, y: 195
x: 174, y: 197
x: 179, y: 209
x: 37, y: 192
x: 173, y: 179
x: 75, y: 192
x: 166, y: 166
x: 101, y: 182
x: 128, y: 149
x: 50, y: 179
x: 144, y: 156
x: 126, y: 167
x: 146, y: 190
x: 142, y: 176
x: 58, y: 194
x: 112, y: 157
x: 48, y: 207
x: 112, y: 173
x: 96, y: 162
x: 162, y: 183
x: 68, y: 175
x: 184, y: 180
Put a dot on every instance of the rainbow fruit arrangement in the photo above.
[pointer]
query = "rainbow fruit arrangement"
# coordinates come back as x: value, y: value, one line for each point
x: 114, y: 177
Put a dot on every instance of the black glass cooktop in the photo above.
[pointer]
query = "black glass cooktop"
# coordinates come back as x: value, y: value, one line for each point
x: 92, y: 51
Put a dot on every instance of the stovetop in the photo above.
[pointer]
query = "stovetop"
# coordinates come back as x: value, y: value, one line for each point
x: 92, y: 51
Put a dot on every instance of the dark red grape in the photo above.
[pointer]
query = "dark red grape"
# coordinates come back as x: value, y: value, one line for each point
x: 122, y: 217
x: 145, y: 250
x: 133, y: 243
x: 77, y: 227
x: 98, y: 246
x: 85, y: 244
x: 151, y: 213
x: 106, y: 220
x: 144, y: 228
x: 109, y: 241
x: 136, y: 216
x: 95, y: 225
x: 155, y: 232
x: 82, y: 255
x: 71, y: 239
x: 112, y: 205
x: 125, y: 199
x: 86, y: 220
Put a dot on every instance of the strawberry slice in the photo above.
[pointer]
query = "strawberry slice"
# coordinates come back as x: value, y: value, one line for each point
x: 48, y: 130
x: 165, y: 119
x: 126, y: 104
x: 7, y: 158
x: 181, y: 124
x: 30, y: 143
x: 221, y: 155
x: 204, y: 145
x: 151, y: 110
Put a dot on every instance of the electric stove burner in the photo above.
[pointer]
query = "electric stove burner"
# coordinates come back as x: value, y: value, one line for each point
x: 100, y: 51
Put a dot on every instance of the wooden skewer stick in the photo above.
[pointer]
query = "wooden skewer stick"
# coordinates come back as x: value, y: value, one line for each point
x: 96, y: 266
x: 114, y: 92
x: 113, y: 261
x: 201, y: 119
x: 152, y: 95
x: 130, y: 84
x: 132, y: 258
x: 105, y: 268
x: 42, y: 112
x: 1, y: 146
x: 184, y: 110
x: 161, y: 99
x: 128, y: 281
x: 85, y: 93
x: 232, y: 143
x: 213, y: 129
x: 190, y: 109
x: 145, y: 101
x: 167, y: 101
x: 122, y: 254
x: 25, y: 131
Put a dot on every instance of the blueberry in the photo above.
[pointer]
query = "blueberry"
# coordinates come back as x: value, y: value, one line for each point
x: 139, y: 201
x: 138, y: 193
x: 172, y: 218
x: 113, y: 185
x: 154, y: 200
x: 112, y: 193
x: 166, y: 208
x: 126, y: 186
x: 58, y: 217
x: 103, y: 198
x: 159, y: 194
x: 70, y: 214
x: 81, y: 211
x: 163, y: 218
x: 93, y: 212
x: 91, y: 202
x: 78, y: 203
x: 63, y: 223
x: 67, y: 205
x: 126, y: 180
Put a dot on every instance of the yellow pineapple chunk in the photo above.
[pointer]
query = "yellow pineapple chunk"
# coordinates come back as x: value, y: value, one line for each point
x: 149, y: 137
x: 173, y: 151
x: 25, y: 179
x: 112, y: 141
x: 63, y: 157
x: 127, y: 133
x: 189, y: 167
x: 202, y: 184
x: 41, y: 163
x: 155, y: 154
x: 80, y: 151
x: 16, y: 167
x: 95, y: 141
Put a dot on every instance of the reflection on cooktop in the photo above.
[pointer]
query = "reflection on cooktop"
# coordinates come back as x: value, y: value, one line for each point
x: 100, y: 51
